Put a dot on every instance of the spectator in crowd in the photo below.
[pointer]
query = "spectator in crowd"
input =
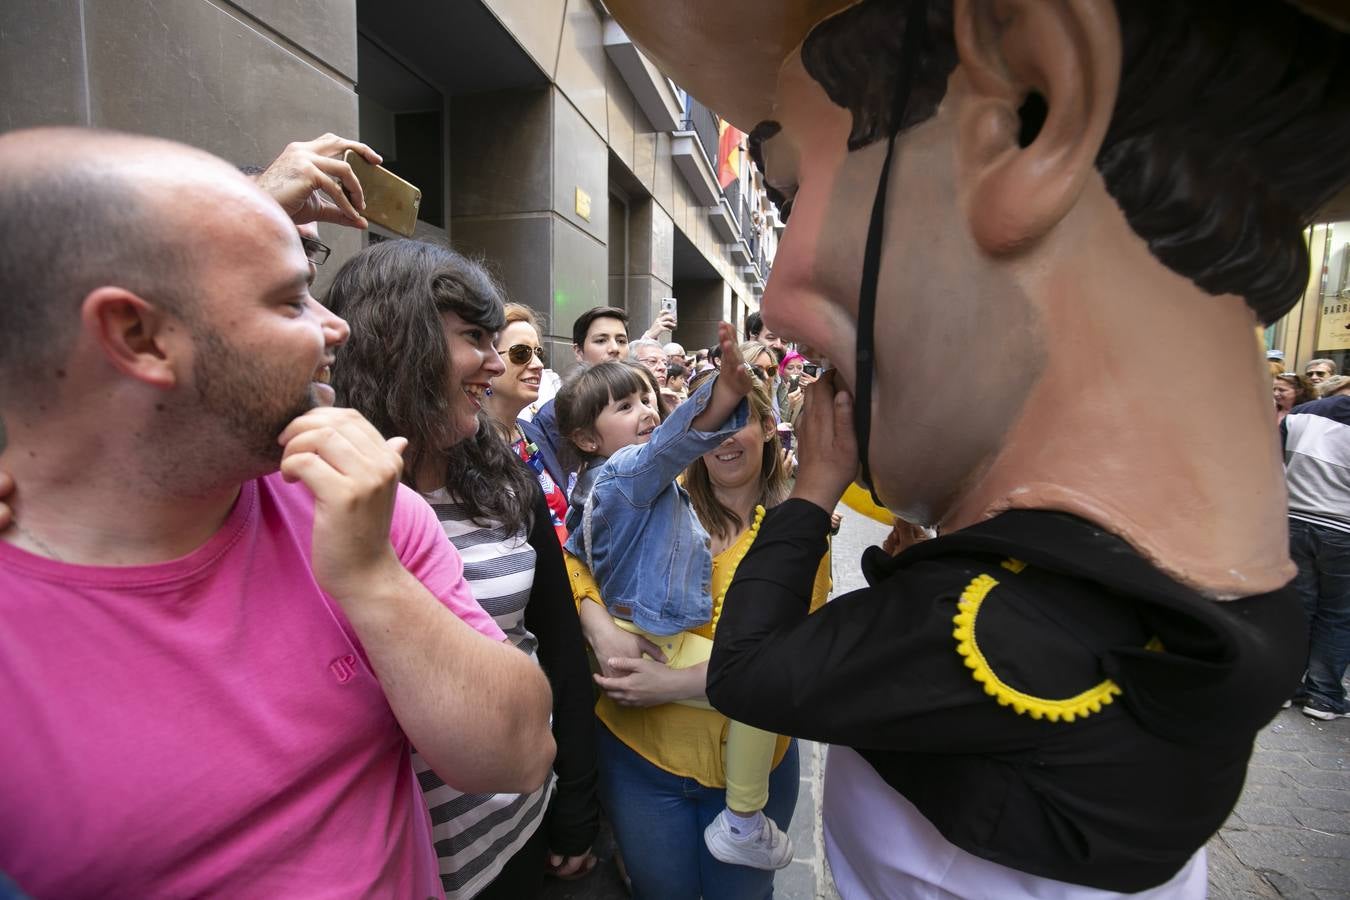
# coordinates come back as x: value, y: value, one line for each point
x: 1319, y: 370
x: 701, y: 361
x: 792, y: 373
x: 762, y: 361
x: 598, y: 334
x: 1291, y: 389
x: 228, y: 651
x: 662, y: 780
x: 439, y: 313
x: 650, y: 354
x: 1317, y: 456
x: 1275, y: 356
x: 674, y: 354
x: 756, y: 330
x: 759, y: 357
x: 516, y: 388
x: 677, y: 380
x: 1334, y: 386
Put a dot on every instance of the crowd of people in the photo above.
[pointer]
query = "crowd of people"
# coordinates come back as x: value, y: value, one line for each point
x: 1313, y: 412
x: 495, y: 445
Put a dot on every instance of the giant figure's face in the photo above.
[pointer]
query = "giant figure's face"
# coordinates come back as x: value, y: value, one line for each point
x: 939, y: 297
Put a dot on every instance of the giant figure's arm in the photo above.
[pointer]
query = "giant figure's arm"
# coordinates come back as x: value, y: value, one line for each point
x: 871, y: 669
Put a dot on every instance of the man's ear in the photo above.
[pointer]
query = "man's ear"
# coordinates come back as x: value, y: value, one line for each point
x: 137, y: 337
x: 576, y: 350
x: 1022, y: 59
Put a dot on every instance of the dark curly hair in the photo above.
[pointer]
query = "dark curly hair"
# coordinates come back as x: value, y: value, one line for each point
x: 1230, y: 130
x: 393, y: 369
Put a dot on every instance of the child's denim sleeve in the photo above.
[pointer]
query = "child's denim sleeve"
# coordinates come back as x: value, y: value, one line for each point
x: 642, y: 471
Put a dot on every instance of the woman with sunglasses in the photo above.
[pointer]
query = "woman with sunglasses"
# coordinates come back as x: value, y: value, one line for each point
x: 516, y: 388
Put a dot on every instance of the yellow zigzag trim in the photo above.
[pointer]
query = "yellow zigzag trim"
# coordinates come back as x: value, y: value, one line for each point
x: 1084, y: 704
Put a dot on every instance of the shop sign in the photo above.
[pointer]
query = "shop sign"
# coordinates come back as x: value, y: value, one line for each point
x: 1333, y: 330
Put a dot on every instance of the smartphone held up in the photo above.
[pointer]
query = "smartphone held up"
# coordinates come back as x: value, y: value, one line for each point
x: 391, y: 202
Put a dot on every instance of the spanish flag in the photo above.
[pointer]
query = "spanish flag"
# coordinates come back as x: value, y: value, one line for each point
x: 729, y: 140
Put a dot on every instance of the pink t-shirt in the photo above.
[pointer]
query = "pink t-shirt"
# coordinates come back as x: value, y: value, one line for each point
x: 210, y: 726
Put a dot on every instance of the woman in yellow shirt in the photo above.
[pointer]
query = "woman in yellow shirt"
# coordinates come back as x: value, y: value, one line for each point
x: 662, y: 770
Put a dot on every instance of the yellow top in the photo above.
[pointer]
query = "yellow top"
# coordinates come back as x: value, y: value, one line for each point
x: 685, y: 740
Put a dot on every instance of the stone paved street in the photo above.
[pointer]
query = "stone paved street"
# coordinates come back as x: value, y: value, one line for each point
x: 1290, y: 834
x: 1288, y: 838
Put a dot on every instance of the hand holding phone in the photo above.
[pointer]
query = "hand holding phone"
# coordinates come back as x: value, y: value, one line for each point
x: 313, y: 184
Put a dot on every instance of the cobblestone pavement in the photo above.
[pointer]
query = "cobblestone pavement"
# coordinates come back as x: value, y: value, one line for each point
x: 1290, y: 834
x: 1288, y: 838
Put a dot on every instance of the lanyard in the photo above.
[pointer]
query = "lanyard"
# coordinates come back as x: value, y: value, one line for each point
x: 915, y: 25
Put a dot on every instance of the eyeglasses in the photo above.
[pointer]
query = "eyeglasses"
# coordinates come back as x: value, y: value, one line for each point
x: 316, y: 251
x: 520, y: 354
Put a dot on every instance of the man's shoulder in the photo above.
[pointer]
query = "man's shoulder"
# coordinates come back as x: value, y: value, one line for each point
x: 1337, y: 409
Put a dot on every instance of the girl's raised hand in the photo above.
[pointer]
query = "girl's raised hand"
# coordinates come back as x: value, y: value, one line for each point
x: 737, y: 376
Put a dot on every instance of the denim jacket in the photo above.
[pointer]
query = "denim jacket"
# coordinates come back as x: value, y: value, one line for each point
x: 650, y: 556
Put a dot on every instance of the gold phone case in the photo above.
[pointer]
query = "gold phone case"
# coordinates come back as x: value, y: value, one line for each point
x: 390, y: 201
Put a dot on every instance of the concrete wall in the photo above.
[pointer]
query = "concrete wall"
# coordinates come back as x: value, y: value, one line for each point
x: 240, y: 79
x: 703, y: 303
x: 551, y: 258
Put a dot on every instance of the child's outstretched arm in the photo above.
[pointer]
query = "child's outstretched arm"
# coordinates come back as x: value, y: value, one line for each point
x: 733, y: 383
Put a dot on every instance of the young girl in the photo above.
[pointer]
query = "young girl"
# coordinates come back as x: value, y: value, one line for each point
x: 634, y: 526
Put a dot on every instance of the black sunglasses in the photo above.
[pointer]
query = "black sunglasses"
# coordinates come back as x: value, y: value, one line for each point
x: 520, y: 354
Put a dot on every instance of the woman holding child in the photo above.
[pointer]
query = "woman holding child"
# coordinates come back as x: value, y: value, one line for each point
x: 663, y: 751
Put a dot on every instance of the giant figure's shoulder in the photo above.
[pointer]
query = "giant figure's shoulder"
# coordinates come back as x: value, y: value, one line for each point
x: 1055, y: 587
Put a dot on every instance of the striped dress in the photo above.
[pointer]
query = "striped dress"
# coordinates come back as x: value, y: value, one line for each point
x: 475, y: 834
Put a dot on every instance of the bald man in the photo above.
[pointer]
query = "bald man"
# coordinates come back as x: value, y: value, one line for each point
x: 225, y: 620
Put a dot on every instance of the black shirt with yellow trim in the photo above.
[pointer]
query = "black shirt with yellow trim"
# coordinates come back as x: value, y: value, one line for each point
x: 1043, y: 695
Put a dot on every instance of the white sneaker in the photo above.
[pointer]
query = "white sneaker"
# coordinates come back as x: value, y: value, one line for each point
x: 770, y: 848
x: 1326, y: 715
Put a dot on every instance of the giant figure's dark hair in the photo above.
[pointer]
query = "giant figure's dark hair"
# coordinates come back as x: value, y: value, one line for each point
x: 1230, y: 130
x: 394, y: 368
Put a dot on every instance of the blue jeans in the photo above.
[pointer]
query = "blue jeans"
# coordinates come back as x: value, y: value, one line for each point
x: 1323, y: 584
x: 658, y: 821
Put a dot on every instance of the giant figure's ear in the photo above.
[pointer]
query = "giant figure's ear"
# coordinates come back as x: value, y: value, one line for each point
x: 137, y: 338
x: 1024, y: 59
